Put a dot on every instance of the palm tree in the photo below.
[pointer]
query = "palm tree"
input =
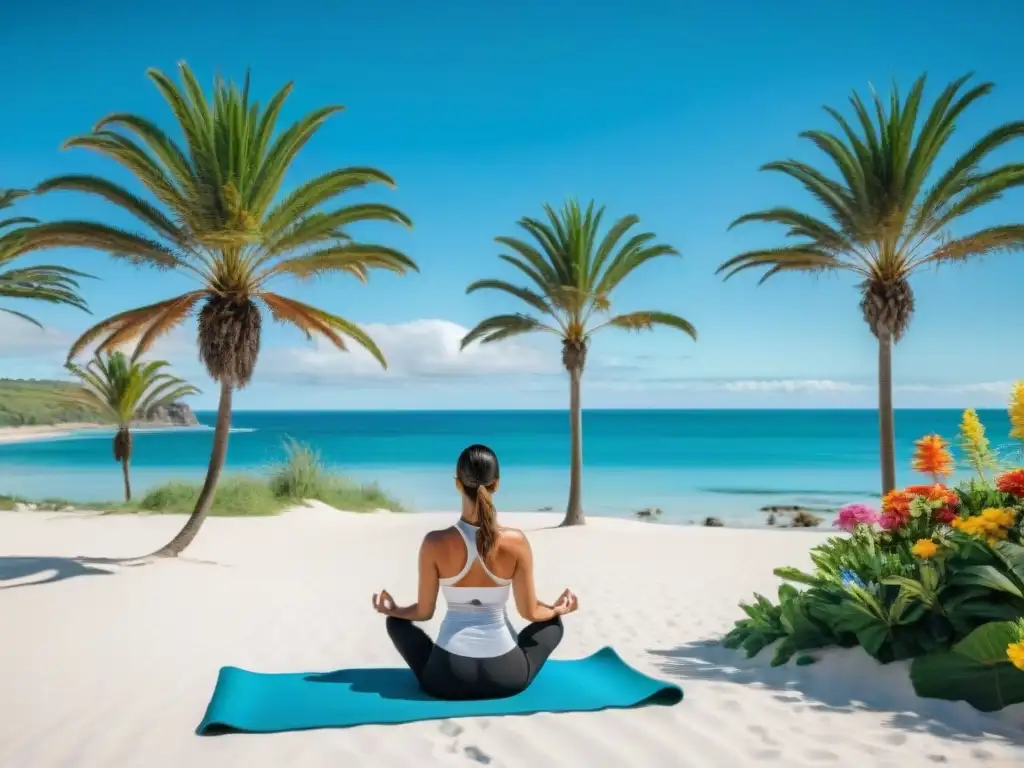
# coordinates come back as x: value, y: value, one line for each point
x: 888, y: 213
x: 573, y: 273
x: 56, y: 285
x: 220, y: 219
x: 124, y: 390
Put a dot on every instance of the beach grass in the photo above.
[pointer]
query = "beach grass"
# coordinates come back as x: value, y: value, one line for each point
x: 301, y: 476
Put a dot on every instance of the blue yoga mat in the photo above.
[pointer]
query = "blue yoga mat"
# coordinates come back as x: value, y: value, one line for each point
x: 256, y: 702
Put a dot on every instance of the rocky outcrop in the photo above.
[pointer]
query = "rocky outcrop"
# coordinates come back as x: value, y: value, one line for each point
x: 648, y: 512
x: 175, y: 414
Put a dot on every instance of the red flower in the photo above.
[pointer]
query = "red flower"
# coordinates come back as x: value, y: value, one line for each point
x: 944, y: 515
x: 1011, y: 482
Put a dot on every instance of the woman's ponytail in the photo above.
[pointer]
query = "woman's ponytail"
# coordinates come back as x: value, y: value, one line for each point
x: 487, y: 520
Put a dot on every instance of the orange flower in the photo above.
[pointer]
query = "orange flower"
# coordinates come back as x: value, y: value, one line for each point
x: 1011, y: 482
x: 897, y: 501
x: 895, y: 509
x: 932, y: 456
x: 935, y: 492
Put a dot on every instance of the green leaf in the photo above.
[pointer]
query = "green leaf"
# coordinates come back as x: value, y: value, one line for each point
x: 872, y: 638
x: 755, y: 643
x: 783, y: 653
x: 975, y: 670
x: 984, y: 576
x: 796, y: 575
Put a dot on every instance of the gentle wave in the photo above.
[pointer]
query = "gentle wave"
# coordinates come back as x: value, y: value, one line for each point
x: 787, y: 492
x: 96, y: 434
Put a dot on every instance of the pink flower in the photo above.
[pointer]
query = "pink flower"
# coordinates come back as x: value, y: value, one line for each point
x: 852, y: 515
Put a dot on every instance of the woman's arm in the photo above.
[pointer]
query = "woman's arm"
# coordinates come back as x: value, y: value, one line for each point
x: 423, y: 608
x: 523, y: 588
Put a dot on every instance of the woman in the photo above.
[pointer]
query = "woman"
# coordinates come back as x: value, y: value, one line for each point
x: 477, y: 654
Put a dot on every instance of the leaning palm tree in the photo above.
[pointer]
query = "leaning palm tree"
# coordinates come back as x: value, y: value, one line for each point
x: 888, y: 213
x: 125, y: 390
x: 52, y: 284
x: 573, y: 272
x: 221, y: 219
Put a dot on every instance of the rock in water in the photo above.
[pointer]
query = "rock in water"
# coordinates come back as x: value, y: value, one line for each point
x: 713, y: 522
x: 177, y: 414
x: 804, y: 519
x: 648, y: 512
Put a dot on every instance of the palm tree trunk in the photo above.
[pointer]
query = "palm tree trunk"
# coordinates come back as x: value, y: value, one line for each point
x: 886, y: 419
x: 574, y: 510
x: 217, y: 456
x: 127, y: 480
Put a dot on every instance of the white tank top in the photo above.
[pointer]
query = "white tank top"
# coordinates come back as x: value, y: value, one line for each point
x: 476, y: 624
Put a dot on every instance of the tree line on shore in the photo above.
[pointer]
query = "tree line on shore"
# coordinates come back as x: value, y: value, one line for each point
x: 209, y: 204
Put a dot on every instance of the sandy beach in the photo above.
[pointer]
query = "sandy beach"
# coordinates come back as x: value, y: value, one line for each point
x: 107, y: 666
x: 45, y: 431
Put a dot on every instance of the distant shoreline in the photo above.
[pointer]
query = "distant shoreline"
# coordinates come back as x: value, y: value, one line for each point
x: 30, y: 433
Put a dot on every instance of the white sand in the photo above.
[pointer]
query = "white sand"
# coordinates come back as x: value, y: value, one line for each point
x: 35, y: 432
x: 112, y: 666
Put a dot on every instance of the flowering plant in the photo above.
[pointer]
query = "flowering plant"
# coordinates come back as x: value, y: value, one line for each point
x: 852, y: 515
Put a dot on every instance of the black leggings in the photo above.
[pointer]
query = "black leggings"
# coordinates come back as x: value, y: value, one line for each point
x: 447, y: 676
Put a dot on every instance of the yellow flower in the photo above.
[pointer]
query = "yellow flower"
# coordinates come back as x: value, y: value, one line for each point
x: 1016, y: 410
x: 992, y: 514
x: 925, y: 549
x: 973, y: 431
x: 1015, y: 653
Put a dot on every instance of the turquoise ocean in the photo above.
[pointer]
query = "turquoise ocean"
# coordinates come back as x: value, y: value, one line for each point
x: 688, y: 463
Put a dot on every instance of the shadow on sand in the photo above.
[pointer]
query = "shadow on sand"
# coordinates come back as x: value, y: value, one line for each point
x: 24, y: 569
x: 837, y: 684
x: 387, y: 683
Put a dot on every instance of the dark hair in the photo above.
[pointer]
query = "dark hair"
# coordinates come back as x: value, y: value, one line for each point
x: 477, y: 470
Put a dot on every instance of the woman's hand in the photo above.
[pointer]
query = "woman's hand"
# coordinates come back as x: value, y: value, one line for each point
x: 384, y: 603
x: 566, y: 603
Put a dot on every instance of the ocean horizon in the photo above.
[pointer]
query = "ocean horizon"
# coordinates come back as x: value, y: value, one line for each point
x: 689, y: 463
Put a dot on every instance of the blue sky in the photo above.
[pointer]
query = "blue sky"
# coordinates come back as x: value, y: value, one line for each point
x: 484, y: 111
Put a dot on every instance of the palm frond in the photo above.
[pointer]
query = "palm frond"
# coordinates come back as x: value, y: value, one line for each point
x: 148, y: 214
x: 501, y: 327
x: 802, y: 256
x: 21, y: 316
x: 120, y: 327
x: 353, y: 258
x: 311, y: 320
x: 532, y: 298
x: 981, y: 243
x: 646, y: 320
x: 88, y: 234
x: 165, y: 321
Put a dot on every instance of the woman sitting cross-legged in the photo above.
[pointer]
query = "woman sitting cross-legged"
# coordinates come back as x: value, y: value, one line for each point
x: 475, y: 562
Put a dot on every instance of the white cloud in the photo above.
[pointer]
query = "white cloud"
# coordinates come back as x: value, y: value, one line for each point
x: 792, y: 386
x: 427, y: 348
x: 19, y: 338
x: 1001, y: 388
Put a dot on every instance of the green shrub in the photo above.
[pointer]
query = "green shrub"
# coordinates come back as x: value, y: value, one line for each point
x: 303, y: 476
x: 236, y: 496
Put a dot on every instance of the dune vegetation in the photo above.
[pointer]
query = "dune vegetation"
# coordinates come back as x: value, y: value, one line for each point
x: 300, y: 477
